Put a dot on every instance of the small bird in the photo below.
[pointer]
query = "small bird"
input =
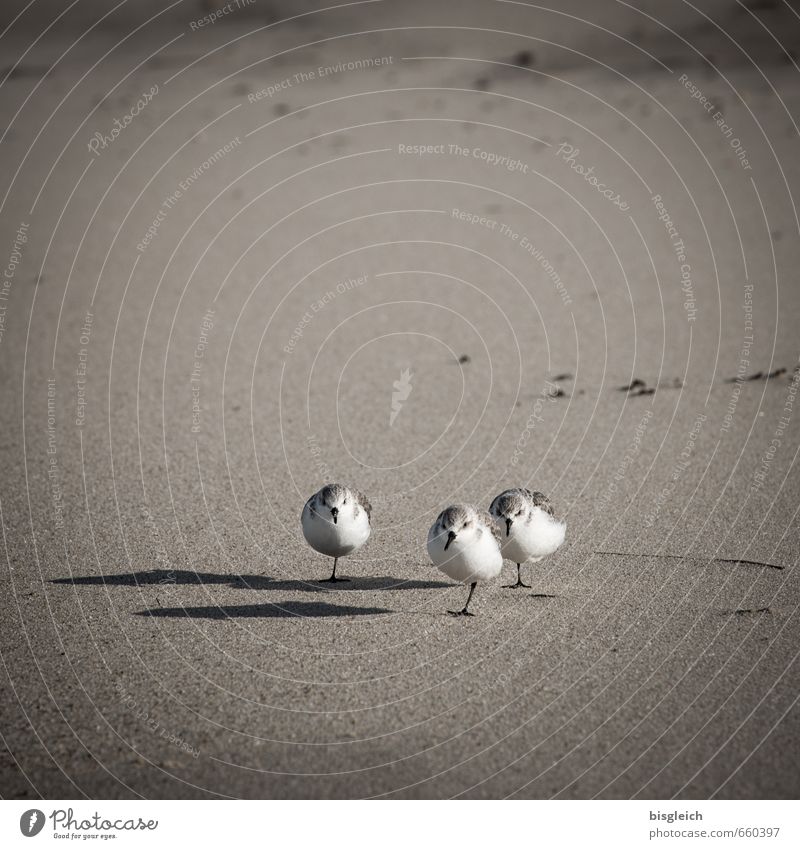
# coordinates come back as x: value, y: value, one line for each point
x: 336, y: 522
x: 464, y: 544
x: 528, y: 527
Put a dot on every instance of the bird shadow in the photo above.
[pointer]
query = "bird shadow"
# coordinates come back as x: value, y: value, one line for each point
x: 729, y: 561
x: 172, y: 577
x: 284, y: 610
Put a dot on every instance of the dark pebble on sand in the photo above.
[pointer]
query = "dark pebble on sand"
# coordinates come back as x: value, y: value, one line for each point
x: 637, y: 387
x: 22, y: 72
x: 758, y: 375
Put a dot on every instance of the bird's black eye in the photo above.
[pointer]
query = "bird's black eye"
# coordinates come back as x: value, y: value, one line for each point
x: 519, y: 512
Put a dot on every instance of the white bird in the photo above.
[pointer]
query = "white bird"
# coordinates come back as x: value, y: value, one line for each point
x: 528, y: 527
x: 464, y: 544
x: 336, y: 522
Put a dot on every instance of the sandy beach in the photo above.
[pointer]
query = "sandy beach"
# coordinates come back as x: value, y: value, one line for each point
x: 227, y: 235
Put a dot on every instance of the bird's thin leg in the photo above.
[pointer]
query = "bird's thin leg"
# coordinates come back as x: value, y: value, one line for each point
x: 519, y: 581
x: 465, y: 612
x: 469, y: 598
x: 333, y: 579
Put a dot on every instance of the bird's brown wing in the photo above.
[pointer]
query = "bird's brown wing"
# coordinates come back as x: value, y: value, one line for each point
x: 362, y: 500
x: 489, y: 520
x: 539, y: 499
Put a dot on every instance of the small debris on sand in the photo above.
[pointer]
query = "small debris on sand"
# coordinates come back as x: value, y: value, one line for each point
x: 637, y: 387
x: 733, y: 561
x: 758, y: 375
x: 524, y: 59
x: 24, y: 72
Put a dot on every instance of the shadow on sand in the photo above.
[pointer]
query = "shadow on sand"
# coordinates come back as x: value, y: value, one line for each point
x: 252, y: 582
x: 285, y: 610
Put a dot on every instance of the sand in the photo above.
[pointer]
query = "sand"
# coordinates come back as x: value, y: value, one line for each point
x: 206, y: 318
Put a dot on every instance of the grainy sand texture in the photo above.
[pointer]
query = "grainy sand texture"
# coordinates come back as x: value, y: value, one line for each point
x: 431, y: 250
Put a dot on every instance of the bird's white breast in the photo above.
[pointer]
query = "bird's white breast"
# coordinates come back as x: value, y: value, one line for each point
x: 336, y: 540
x: 532, y: 540
x: 470, y: 557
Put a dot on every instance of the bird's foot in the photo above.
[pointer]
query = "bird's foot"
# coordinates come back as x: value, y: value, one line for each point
x: 463, y: 612
x: 333, y: 580
x: 517, y: 585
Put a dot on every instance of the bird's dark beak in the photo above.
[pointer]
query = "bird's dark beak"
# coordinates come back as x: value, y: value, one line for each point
x: 450, y: 537
x: 335, y: 514
x: 509, y: 522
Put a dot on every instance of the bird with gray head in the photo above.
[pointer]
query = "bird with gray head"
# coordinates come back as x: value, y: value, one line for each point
x: 336, y: 521
x: 464, y: 544
x: 528, y: 527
